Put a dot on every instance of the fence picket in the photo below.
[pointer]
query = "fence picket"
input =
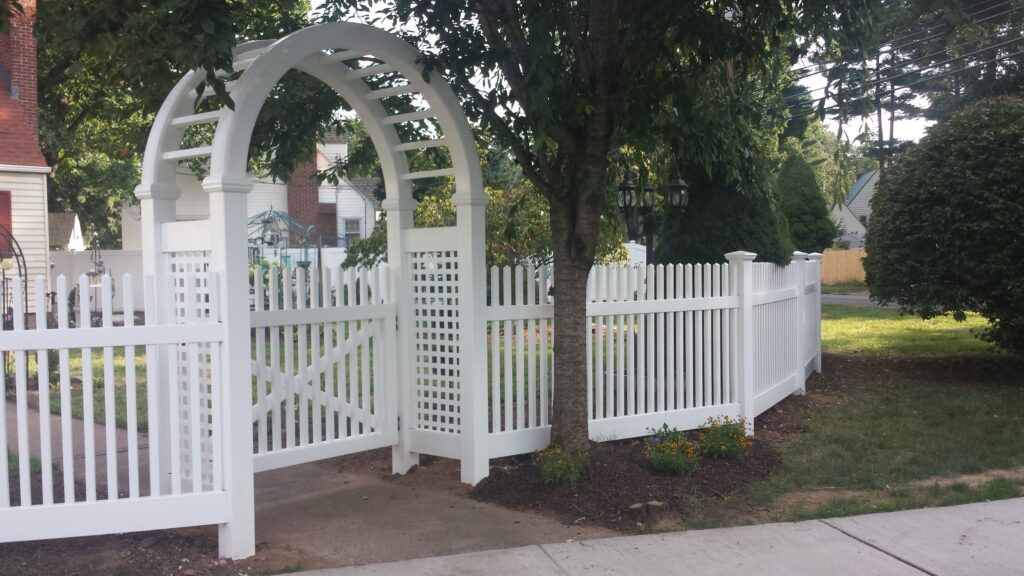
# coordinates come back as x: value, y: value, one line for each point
x: 544, y: 325
x: 520, y: 354
x: 21, y: 398
x: 531, y: 353
x: 330, y: 399
x: 727, y: 347
x: 194, y: 438
x: 315, y: 372
x: 289, y: 373
x: 609, y: 343
x: 630, y: 356
x: 153, y: 382
x: 640, y: 362
x: 5, y: 488
x: 43, y: 389
x: 589, y: 343
x: 109, y: 406
x: 302, y: 358
x: 507, y: 340
x: 365, y: 393
x: 88, y: 417
x: 659, y: 294
x: 262, y: 384
x: 131, y: 390
x: 708, y: 366
x: 495, y: 345
x: 66, y: 431
x: 216, y: 388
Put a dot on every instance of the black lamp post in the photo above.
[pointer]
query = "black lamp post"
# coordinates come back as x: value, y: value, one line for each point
x: 636, y: 203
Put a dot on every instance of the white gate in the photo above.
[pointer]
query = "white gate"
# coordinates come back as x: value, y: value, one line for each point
x: 324, y: 381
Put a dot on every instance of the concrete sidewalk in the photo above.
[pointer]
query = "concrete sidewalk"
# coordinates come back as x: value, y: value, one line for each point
x: 971, y: 540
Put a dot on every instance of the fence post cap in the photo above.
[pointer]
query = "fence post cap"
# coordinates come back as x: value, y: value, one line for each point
x: 798, y: 255
x: 740, y: 255
x: 814, y: 256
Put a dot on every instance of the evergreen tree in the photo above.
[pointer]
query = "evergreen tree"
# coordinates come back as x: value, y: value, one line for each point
x: 803, y: 205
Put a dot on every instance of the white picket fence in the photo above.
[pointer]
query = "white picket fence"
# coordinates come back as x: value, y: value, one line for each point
x: 673, y: 345
x: 669, y: 345
x: 96, y: 476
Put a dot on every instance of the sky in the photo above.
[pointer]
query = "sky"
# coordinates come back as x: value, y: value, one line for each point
x: 908, y: 129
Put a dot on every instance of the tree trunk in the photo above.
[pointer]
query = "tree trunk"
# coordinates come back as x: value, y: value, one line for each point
x: 575, y: 220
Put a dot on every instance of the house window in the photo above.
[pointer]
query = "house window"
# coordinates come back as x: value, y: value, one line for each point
x: 352, y: 231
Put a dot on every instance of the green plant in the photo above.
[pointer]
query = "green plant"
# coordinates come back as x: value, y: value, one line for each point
x: 560, y: 467
x: 670, y: 452
x: 804, y: 206
x: 947, y: 230
x: 723, y: 437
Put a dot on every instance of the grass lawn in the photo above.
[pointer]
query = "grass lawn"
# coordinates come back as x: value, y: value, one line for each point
x: 866, y: 330
x: 847, y: 288
x: 904, y: 410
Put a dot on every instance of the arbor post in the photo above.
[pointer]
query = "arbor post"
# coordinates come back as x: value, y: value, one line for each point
x: 741, y: 265
x: 400, y: 211
x: 158, y: 207
x: 228, y: 250
x: 473, y: 338
x: 799, y: 262
x: 816, y: 257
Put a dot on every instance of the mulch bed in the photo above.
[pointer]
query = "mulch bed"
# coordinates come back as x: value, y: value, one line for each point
x: 621, y: 491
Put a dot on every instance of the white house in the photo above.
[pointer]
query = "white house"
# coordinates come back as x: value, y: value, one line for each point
x: 853, y: 215
x: 340, y: 212
x: 23, y: 169
x: 353, y: 198
x: 66, y: 232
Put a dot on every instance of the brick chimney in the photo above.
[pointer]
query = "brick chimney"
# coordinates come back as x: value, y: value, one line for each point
x: 18, y: 59
x: 304, y: 203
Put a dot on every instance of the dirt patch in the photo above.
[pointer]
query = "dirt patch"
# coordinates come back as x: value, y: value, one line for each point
x: 621, y: 491
x: 183, y: 552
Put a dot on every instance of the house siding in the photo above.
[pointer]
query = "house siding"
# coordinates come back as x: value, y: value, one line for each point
x: 29, y: 223
x: 861, y: 204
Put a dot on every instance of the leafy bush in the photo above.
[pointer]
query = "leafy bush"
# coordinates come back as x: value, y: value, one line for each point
x: 720, y: 219
x: 559, y: 467
x: 801, y: 201
x: 723, y: 438
x: 947, y: 227
x: 670, y: 451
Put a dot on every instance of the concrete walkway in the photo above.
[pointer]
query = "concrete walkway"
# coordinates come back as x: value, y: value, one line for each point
x: 971, y: 540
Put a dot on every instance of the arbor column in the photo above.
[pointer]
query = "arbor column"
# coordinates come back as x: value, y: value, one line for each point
x: 228, y: 259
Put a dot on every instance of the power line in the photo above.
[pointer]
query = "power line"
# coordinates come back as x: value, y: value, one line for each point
x: 902, y: 46
x: 915, y: 83
x: 880, y: 81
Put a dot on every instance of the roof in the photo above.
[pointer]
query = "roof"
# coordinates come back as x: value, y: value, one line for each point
x: 859, y: 185
x: 366, y: 186
x: 20, y: 145
x: 62, y: 224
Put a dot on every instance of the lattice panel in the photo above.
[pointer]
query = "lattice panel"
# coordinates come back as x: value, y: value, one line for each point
x: 192, y: 304
x: 435, y: 316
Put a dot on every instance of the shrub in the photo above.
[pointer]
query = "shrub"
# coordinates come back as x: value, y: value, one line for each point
x: 670, y: 451
x: 946, y: 234
x: 723, y: 438
x: 560, y: 467
x: 801, y: 201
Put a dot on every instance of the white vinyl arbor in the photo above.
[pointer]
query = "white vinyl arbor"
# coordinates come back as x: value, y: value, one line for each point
x: 438, y: 281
